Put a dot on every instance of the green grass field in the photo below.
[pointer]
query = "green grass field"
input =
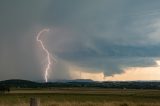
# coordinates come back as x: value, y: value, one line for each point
x: 82, y: 97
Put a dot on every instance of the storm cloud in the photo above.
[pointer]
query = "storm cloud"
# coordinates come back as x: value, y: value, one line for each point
x: 106, y: 35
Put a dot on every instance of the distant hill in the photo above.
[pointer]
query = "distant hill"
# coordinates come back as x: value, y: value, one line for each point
x: 75, y: 80
x: 82, y: 80
x: 18, y: 83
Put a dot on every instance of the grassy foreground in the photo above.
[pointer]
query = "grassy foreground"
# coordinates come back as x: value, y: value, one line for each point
x: 82, y: 97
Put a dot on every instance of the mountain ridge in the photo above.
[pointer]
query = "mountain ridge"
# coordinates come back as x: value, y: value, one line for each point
x: 20, y: 83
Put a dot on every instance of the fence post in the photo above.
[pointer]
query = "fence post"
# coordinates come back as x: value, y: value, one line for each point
x: 34, y: 102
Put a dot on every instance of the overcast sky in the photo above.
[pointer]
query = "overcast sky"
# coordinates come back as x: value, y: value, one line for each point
x: 89, y: 38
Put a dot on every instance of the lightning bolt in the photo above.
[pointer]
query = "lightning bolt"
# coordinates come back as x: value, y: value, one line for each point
x: 48, y: 56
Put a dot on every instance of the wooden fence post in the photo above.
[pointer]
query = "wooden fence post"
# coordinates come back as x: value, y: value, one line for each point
x: 34, y: 102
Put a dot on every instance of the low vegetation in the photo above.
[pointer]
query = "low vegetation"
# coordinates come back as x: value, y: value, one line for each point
x: 81, y: 97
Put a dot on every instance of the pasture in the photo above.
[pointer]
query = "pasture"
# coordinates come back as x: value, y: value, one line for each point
x: 82, y: 97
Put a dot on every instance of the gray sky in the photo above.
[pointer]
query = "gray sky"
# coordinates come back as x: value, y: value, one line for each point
x: 95, y: 35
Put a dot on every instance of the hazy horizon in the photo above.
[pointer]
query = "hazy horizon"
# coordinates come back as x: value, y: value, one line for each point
x: 102, y: 40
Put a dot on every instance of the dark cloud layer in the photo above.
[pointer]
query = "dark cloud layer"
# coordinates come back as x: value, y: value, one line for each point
x: 107, y: 35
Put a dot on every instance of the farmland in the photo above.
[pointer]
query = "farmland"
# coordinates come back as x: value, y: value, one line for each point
x: 81, y: 97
